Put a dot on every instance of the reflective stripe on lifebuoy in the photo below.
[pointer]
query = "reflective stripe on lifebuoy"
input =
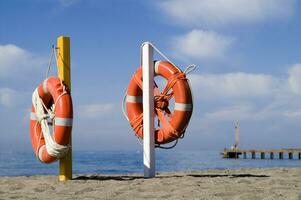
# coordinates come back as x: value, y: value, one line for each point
x: 173, y: 123
x: 51, y: 91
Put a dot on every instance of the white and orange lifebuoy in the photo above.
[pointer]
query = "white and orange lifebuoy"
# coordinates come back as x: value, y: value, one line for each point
x: 173, y: 123
x: 51, y: 101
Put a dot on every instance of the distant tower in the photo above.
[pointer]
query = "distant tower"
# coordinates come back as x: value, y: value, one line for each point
x: 237, y: 133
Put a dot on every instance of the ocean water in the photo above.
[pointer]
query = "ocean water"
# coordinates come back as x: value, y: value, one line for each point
x: 125, y: 162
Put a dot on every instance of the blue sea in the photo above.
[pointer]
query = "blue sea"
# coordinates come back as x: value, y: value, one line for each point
x: 125, y: 162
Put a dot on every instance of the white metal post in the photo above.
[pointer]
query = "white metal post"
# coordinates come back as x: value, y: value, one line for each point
x: 148, y: 111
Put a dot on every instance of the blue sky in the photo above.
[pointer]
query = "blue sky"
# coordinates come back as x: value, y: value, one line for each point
x: 247, y: 52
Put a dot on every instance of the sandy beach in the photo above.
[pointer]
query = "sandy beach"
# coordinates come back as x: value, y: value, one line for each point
x: 278, y: 183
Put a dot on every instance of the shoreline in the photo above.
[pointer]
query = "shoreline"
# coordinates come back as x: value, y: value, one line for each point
x: 251, y: 183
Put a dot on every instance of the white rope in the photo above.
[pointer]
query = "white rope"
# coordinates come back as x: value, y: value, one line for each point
x: 54, y: 149
x: 190, y: 68
x: 124, y: 112
x: 159, y: 52
x: 53, y: 53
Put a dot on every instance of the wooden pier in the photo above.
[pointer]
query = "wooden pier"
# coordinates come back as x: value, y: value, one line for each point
x: 261, y: 153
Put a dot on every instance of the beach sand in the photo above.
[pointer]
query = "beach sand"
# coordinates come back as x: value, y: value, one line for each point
x: 278, y: 183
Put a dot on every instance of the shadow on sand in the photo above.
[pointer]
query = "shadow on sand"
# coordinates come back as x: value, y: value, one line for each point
x: 227, y: 175
x: 133, y: 177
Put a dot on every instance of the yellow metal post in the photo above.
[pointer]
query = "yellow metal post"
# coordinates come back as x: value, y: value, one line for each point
x: 63, y: 44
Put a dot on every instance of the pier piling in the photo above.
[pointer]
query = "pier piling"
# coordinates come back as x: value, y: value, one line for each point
x: 271, y: 155
x: 262, y: 155
x: 245, y: 155
x: 234, y: 153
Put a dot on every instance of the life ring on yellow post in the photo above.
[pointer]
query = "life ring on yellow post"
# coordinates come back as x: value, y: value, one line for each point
x: 52, y: 105
x: 173, y: 123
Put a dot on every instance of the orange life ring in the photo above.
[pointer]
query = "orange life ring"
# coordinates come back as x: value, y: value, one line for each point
x: 52, y: 92
x: 173, y: 123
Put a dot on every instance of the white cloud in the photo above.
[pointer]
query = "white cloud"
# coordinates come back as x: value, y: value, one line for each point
x: 16, y: 62
x: 247, y: 111
x: 200, y: 44
x: 293, y: 114
x: 96, y: 110
x: 8, y: 97
x: 232, y: 113
x: 294, y: 79
x: 249, y: 97
x: 237, y: 85
x: 220, y: 12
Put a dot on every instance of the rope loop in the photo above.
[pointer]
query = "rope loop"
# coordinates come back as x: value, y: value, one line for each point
x: 190, y: 68
x: 159, y: 146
